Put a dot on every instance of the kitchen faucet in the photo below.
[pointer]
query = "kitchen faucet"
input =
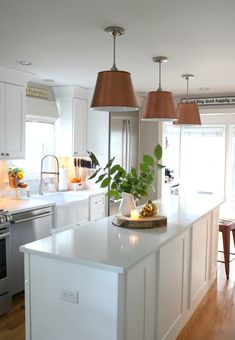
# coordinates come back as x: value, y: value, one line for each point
x: 49, y: 173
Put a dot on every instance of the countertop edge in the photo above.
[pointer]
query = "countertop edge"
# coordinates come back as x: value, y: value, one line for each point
x: 102, y: 266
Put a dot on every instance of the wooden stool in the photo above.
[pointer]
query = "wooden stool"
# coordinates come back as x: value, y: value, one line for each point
x: 225, y: 226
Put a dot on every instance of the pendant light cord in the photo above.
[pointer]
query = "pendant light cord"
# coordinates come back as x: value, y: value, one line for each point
x: 114, y: 67
x: 160, y: 76
x: 187, y: 89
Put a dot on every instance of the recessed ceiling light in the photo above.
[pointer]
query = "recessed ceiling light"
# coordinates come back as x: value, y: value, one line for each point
x: 204, y: 88
x: 24, y: 62
x: 49, y: 80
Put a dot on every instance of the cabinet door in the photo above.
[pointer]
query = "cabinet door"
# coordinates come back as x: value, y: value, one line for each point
x: 140, y: 300
x: 172, y: 297
x: 79, y: 126
x: 14, y: 121
x: 200, y: 241
x: 2, y: 109
x: 214, y: 243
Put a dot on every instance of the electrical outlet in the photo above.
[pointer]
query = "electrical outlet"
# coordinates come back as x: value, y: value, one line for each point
x: 69, y: 295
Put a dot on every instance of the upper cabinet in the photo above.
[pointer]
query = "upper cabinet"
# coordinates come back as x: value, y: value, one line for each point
x: 72, y: 123
x: 12, y: 121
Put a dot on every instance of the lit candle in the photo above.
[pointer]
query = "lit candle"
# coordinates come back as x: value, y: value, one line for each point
x: 134, y: 214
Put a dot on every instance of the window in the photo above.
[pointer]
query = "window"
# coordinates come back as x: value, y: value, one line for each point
x: 39, y: 141
x: 232, y: 176
x: 197, y: 156
x: 202, y: 166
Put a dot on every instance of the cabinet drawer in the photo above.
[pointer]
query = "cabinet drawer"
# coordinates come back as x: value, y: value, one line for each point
x: 97, y: 207
x: 96, y: 200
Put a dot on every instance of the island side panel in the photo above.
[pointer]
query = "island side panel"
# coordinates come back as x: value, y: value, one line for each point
x: 172, y: 290
x: 94, y: 317
x: 140, y: 300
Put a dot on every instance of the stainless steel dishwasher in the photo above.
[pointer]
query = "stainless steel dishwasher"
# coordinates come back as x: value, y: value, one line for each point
x: 26, y: 227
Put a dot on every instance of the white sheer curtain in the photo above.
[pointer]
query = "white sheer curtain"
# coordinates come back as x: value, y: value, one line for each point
x: 202, y: 161
x: 197, y: 156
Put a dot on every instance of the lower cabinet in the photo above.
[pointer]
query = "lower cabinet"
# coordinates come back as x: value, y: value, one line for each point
x: 172, y: 286
x: 140, y: 301
x: 200, y: 257
x: 97, y: 207
x: 163, y: 291
x: 214, y: 243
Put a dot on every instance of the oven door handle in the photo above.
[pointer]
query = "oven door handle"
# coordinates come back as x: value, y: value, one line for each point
x: 31, y: 218
x: 4, y: 235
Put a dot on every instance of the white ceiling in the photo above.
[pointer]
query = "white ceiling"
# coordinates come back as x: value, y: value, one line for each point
x: 65, y: 41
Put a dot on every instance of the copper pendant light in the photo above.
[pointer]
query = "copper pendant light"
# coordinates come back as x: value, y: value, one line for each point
x: 187, y: 113
x: 114, y: 90
x: 159, y: 105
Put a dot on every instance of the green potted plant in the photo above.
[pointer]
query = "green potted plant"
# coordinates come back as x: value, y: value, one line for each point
x: 128, y: 185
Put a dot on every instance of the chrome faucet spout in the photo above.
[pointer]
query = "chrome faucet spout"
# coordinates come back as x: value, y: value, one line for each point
x: 42, y: 172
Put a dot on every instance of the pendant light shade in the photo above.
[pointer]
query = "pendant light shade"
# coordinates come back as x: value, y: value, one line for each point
x: 159, y: 104
x: 187, y: 113
x: 114, y: 90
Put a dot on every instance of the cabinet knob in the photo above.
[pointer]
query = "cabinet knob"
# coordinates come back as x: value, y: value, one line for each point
x: 7, y: 154
x: 2, y: 154
x: 75, y: 153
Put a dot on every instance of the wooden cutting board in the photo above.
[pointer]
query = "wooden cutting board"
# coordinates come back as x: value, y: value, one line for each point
x: 141, y: 223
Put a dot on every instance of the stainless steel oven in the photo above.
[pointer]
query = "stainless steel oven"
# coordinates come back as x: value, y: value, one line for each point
x: 5, y: 296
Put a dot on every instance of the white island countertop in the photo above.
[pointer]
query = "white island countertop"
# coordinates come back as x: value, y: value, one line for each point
x: 102, y: 245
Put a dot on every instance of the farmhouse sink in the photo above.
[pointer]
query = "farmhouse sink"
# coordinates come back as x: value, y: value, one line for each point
x: 69, y: 209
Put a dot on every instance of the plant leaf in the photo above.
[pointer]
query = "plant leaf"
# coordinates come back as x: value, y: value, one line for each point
x: 160, y: 166
x: 134, y: 172
x: 94, y: 174
x: 113, y: 193
x: 144, y: 167
x: 105, y: 182
x: 109, y: 164
x: 148, y: 160
x: 114, y: 169
x: 100, y: 178
x: 158, y: 152
x: 114, y: 186
x: 93, y: 158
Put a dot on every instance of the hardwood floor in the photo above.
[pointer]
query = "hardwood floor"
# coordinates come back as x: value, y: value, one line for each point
x: 12, y: 323
x: 214, y: 319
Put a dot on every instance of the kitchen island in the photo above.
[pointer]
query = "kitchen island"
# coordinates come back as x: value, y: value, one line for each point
x: 102, y: 282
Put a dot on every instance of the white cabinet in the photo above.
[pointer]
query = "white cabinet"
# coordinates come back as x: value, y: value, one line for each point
x: 214, y: 243
x: 72, y: 123
x: 97, y: 207
x: 12, y: 121
x: 172, y: 292
x: 139, y: 301
x: 200, y: 256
